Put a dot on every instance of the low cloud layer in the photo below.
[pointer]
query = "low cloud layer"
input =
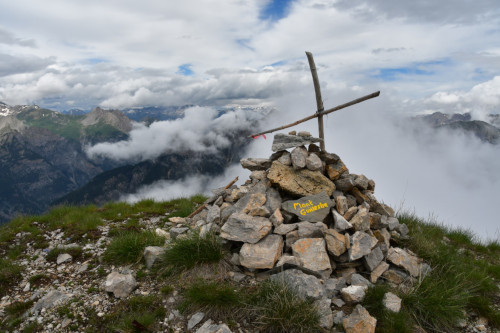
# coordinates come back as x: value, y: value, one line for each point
x: 200, y: 130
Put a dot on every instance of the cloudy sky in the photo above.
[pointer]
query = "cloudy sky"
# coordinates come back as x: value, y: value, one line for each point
x: 422, y: 55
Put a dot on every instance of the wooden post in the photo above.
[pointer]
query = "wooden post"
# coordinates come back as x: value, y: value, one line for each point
x: 319, y: 101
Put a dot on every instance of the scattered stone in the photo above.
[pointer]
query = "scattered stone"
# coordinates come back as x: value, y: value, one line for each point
x: 210, y: 327
x: 245, y: 228
x: 287, y: 259
x: 177, y: 231
x: 63, y: 258
x: 311, y: 253
x: 299, y: 182
x: 305, y: 285
x: 262, y: 255
x: 359, y: 321
x: 311, y: 230
x: 51, y: 299
x: 284, y: 229
x: 338, y: 302
x: 392, y: 302
x: 285, y: 159
x: 344, y: 184
x: 277, y: 218
x: 151, y: 254
x: 121, y: 285
x: 255, y: 164
x: 195, y: 320
x: 213, y: 215
x: 349, y: 214
x: 162, y: 233
x: 283, y: 141
x: 361, y: 221
x: 395, y: 276
x: 304, y: 134
x: 358, y: 280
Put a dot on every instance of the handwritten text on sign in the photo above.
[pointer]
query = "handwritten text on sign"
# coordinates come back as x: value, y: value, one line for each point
x: 312, y: 208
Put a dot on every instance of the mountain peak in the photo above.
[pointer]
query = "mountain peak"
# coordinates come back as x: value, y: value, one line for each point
x: 111, y: 117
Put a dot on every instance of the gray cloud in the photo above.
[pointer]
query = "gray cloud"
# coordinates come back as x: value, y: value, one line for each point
x: 447, y: 11
x: 8, y: 38
x: 10, y: 65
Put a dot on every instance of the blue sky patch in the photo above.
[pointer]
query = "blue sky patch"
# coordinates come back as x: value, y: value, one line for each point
x: 275, y: 10
x: 185, y: 70
x: 418, y: 69
x: 95, y: 61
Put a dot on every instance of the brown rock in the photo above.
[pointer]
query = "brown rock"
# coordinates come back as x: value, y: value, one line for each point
x: 401, y: 258
x: 335, y: 170
x: 335, y: 242
x: 359, y: 321
x: 378, y: 271
x: 277, y: 218
x: 312, y: 254
x: 299, y: 182
x: 349, y: 214
x: 341, y: 204
x: 360, y: 197
x: 361, y: 221
x: 263, y: 254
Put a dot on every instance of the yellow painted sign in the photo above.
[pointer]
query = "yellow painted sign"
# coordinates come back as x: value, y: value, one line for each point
x: 309, y: 207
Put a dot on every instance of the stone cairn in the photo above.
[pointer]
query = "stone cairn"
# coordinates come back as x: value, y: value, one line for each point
x: 302, y: 218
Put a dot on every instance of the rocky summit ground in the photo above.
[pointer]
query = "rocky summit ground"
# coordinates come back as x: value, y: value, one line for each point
x: 302, y: 246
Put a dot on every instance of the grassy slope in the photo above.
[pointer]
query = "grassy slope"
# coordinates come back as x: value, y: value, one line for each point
x: 464, y: 278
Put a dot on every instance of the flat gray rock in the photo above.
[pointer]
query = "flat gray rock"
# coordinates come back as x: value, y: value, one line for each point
x: 305, y: 285
x: 284, y: 141
x: 263, y: 254
x: 312, y: 208
x: 245, y: 228
x: 51, y: 299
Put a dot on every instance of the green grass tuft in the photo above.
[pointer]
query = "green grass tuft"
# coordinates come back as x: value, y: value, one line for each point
x: 213, y: 295
x: 128, y: 246
x: 185, y: 253
x: 279, y: 309
x: 9, y: 274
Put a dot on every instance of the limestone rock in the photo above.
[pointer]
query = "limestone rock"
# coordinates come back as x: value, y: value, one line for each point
x: 341, y: 205
x: 51, y: 299
x: 162, y: 233
x: 273, y: 199
x: 359, y: 321
x: 378, y: 271
x: 210, y: 327
x: 373, y: 259
x: 349, y: 214
x: 263, y: 254
x: 353, y: 294
x: 313, y: 208
x: 312, y: 254
x: 255, y: 164
x: 314, y: 163
x: 245, y: 228
x: 335, y: 242
x: 361, y: 245
x: 360, y: 197
x: 121, y: 285
x: 326, y: 316
x: 213, y: 215
x: 361, y: 221
x: 285, y: 228
x: 287, y: 259
x: 401, y: 258
x: 359, y: 280
x: 361, y: 182
x: 340, y: 223
x: 63, y: 258
x: 283, y: 141
x: 175, y: 232
x: 151, y: 254
x: 195, y: 320
x: 311, y: 230
x: 395, y: 276
x: 299, y: 156
x: 277, y: 218
x: 344, y: 184
x: 392, y: 302
x: 305, y: 285
x: 291, y: 238
x: 285, y: 159
x: 299, y: 182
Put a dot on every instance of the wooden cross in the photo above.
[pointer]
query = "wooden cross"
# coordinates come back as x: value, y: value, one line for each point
x: 319, y: 103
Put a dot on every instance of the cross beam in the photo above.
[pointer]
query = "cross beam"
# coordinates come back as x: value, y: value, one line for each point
x: 319, y: 102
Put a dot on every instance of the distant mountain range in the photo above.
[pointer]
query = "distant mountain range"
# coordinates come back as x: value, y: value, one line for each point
x: 486, y: 132
x: 42, y: 158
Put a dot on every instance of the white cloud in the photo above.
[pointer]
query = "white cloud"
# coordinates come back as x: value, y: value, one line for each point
x: 200, y: 130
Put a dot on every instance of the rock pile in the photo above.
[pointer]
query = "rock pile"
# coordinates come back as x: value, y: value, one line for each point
x: 302, y: 218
